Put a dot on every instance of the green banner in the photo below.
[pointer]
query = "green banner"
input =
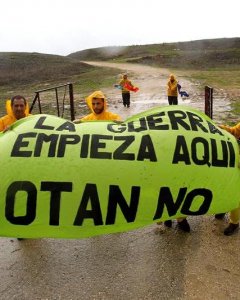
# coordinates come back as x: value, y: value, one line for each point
x: 63, y: 180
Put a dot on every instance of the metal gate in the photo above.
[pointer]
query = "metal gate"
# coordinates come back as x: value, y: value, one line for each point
x: 60, y: 107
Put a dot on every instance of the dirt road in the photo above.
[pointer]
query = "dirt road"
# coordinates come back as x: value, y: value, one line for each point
x: 149, y: 263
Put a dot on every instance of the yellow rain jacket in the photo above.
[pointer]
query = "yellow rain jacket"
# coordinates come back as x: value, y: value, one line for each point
x: 123, y: 82
x: 105, y: 115
x: 172, y: 86
x: 235, y: 213
x: 9, y: 119
x: 235, y: 130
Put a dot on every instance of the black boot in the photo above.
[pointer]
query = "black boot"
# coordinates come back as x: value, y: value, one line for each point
x: 184, y: 226
x: 168, y: 223
x: 220, y: 216
x: 231, y: 229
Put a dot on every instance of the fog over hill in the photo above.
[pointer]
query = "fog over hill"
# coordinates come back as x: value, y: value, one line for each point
x: 199, y: 53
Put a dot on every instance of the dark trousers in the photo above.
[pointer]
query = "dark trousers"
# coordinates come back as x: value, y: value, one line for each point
x: 172, y: 100
x: 126, y: 99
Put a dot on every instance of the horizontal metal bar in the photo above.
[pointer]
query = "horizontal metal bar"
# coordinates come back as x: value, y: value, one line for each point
x: 52, y: 88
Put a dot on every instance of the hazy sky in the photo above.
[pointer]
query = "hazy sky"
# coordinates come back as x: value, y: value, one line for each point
x: 66, y: 26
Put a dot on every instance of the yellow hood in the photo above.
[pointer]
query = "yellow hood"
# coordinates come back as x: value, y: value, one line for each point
x: 97, y: 94
x: 10, y: 111
x: 172, y: 77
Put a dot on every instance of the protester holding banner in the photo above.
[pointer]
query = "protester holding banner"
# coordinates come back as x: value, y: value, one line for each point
x: 17, y: 108
x: 97, y: 103
x: 172, y: 90
x: 125, y: 91
x: 233, y: 225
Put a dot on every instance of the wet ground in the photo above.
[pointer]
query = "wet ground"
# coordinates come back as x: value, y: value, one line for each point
x: 150, y: 263
x: 152, y: 92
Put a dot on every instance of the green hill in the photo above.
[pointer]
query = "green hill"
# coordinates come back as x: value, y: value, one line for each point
x: 27, y: 68
x: 214, y: 62
x: 199, y: 54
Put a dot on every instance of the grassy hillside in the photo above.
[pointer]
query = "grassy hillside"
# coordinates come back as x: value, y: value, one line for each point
x: 200, y: 54
x: 25, y: 73
x: 27, y: 68
x: 213, y: 62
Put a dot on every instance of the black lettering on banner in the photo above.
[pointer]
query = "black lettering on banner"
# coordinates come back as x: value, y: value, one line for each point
x: 39, y: 124
x: 146, y: 149
x: 132, y: 126
x: 181, y: 153
x: 116, y: 198
x: 213, y: 129
x: 120, y: 128
x: 177, y: 118
x: 66, y: 140
x: 21, y: 143
x: 203, y: 209
x: 119, y: 152
x: 97, y: 144
x: 11, y: 200
x: 90, y: 195
x: 223, y: 156
x: 85, y: 146
x: 69, y: 126
x: 196, y: 122
x: 204, y: 160
x: 155, y: 120
x: 44, y: 138
x: 231, y: 155
x: 165, y: 198
x: 56, y: 188
x: 216, y: 162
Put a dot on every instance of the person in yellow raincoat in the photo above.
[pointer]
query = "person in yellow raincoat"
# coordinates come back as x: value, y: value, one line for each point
x: 233, y: 225
x: 172, y: 90
x: 125, y: 92
x: 17, y: 108
x: 97, y: 103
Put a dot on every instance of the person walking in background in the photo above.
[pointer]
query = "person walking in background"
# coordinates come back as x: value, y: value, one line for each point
x: 17, y: 108
x: 97, y: 103
x: 125, y: 83
x: 233, y: 225
x: 172, y: 90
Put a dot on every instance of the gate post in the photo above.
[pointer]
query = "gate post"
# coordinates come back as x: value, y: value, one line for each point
x: 72, y: 110
x: 209, y: 101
